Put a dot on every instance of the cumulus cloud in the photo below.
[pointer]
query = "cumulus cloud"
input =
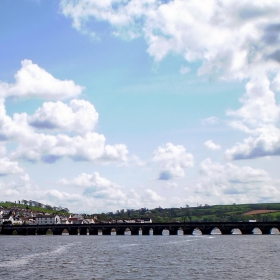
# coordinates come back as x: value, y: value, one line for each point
x: 218, y: 180
x: 96, y: 186
x: 265, y: 142
x: 258, y: 104
x: 232, y: 39
x: 33, y: 81
x: 211, y: 145
x: 172, y: 161
x: 33, y: 146
x: 49, y: 148
x: 257, y: 117
x: 151, y: 196
x: 9, y: 167
x: 79, y: 116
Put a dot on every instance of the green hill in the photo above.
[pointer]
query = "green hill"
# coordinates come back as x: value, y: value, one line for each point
x: 215, y: 213
x: 9, y: 205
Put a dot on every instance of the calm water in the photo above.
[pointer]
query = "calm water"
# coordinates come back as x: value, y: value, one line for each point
x: 140, y: 257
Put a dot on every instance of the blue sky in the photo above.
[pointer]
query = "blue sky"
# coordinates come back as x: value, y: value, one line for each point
x: 117, y: 104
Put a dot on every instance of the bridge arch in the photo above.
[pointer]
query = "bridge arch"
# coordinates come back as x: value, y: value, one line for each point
x: 256, y: 230
x: 180, y: 231
x: 49, y: 231
x: 15, y: 232
x: 166, y: 231
x: 216, y: 231
x: 274, y: 231
x: 197, y: 231
x: 65, y: 232
x: 127, y: 231
x: 236, y: 231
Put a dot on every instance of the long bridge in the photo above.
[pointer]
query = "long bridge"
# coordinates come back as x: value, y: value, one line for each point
x: 143, y: 228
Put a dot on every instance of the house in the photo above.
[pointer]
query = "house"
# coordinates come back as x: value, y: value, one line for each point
x: 89, y: 221
x: 143, y: 220
x: 76, y: 219
x: 47, y: 219
x: 10, y: 219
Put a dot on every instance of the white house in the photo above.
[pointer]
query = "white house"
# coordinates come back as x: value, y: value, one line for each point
x: 47, y: 220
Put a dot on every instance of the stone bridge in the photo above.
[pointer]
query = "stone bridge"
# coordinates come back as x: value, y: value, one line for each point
x: 145, y: 229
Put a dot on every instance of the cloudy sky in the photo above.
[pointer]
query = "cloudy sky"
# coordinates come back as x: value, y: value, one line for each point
x: 118, y: 104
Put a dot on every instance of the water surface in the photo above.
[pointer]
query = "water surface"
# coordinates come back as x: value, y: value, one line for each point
x: 140, y: 257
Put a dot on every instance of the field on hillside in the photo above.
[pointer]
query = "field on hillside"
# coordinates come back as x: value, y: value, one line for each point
x: 255, y: 212
x: 9, y: 205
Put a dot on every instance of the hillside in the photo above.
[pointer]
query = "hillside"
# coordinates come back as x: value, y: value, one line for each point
x: 207, y: 213
x: 50, y: 210
x: 226, y: 213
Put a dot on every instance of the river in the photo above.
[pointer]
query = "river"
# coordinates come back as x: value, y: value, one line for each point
x: 140, y: 257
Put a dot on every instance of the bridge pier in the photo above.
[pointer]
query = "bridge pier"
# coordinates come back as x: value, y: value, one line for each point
x: 41, y: 231
x: 173, y: 231
x: 134, y: 231
x: 106, y: 231
x: 145, y: 231
x: 93, y: 231
x: 83, y: 231
x: 206, y: 231
x: 120, y: 231
x: 188, y: 231
x: 157, y: 231
x: 226, y: 231
x: 266, y: 230
x: 246, y: 230
x: 57, y: 231
x: 31, y: 231
x: 73, y: 231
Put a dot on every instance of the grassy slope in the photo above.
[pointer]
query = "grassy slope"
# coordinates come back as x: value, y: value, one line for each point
x: 35, y: 209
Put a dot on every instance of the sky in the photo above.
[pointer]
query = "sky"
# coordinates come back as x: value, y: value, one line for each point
x: 125, y: 104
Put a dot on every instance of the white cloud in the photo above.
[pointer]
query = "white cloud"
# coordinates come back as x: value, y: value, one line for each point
x: 49, y: 148
x: 151, y: 196
x: 33, y: 146
x: 101, y: 189
x: 258, y: 117
x: 210, y: 121
x: 265, y: 143
x: 217, y: 180
x: 172, y: 160
x: 96, y: 186
x: 33, y: 81
x: 9, y: 167
x: 79, y: 116
x: 211, y: 145
x: 258, y: 104
x: 234, y: 40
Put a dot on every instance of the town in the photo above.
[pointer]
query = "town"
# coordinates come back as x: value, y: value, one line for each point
x: 23, y: 213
